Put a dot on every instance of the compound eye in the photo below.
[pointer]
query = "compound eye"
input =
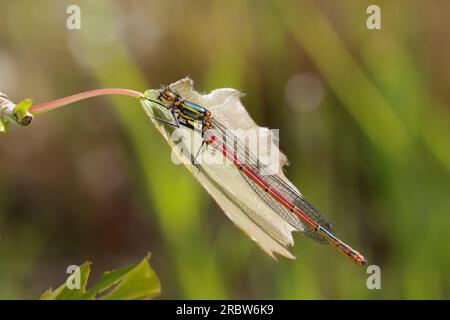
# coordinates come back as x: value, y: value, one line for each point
x: 169, y: 95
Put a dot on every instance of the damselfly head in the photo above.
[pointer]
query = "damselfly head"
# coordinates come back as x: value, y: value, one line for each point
x: 167, y: 95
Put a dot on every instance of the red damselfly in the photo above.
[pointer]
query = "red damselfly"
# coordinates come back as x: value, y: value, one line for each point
x: 279, y: 195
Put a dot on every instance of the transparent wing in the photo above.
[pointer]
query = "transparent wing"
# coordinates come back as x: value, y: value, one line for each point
x: 284, y: 213
x: 245, y: 156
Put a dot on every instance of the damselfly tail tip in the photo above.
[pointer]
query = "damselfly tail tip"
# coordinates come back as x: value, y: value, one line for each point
x: 359, y: 259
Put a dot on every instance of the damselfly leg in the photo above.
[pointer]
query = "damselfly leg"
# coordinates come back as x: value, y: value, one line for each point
x: 173, y: 111
x: 175, y: 123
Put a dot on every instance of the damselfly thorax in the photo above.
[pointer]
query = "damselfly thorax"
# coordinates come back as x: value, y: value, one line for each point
x: 184, y: 109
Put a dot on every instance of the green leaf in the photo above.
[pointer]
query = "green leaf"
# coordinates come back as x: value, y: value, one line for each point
x: 22, y: 116
x: 16, y: 114
x: 3, y: 126
x: 21, y: 110
x: 64, y: 292
x: 135, y: 281
x: 109, y: 278
x: 140, y: 282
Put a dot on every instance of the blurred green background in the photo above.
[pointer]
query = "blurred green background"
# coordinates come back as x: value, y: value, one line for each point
x: 363, y: 116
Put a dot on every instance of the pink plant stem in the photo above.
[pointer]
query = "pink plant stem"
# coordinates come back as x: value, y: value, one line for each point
x: 54, y: 104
